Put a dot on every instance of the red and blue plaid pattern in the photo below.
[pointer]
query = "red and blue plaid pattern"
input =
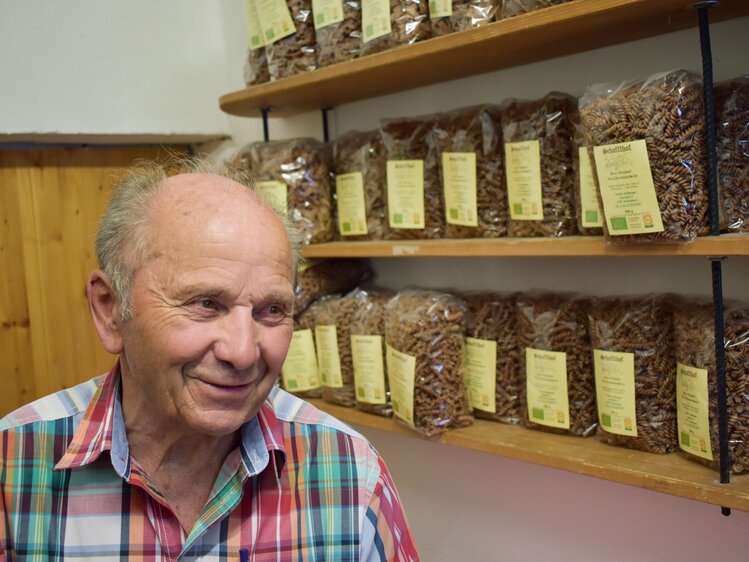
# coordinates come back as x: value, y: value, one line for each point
x: 302, y: 486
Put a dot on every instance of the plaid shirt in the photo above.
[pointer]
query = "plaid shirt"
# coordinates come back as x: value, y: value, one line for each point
x: 302, y: 486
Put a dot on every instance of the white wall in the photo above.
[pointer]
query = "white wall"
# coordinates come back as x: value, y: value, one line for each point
x: 109, y: 71
x: 87, y: 70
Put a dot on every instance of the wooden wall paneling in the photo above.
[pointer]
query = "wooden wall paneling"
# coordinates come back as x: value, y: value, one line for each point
x: 61, y: 195
x: 17, y: 384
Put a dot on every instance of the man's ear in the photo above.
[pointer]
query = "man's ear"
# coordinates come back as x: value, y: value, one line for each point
x: 105, y: 311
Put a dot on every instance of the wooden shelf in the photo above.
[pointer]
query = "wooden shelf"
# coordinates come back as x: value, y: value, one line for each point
x: 573, y: 27
x: 585, y: 246
x: 669, y: 474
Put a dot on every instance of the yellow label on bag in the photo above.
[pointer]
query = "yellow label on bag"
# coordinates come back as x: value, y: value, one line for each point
x: 299, y: 372
x: 480, y: 372
x: 523, y: 170
x: 352, y: 210
x: 405, y: 187
x: 440, y: 8
x: 254, y: 30
x: 589, y: 207
x: 369, y: 369
x: 327, y: 12
x: 546, y: 387
x: 401, y: 375
x: 329, y: 359
x: 630, y: 203
x: 375, y: 19
x: 693, y: 411
x: 459, y: 175
x: 615, y: 391
x: 275, y: 20
x: 275, y: 193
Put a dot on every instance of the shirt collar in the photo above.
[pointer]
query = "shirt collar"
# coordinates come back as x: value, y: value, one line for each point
x: 103, y: 429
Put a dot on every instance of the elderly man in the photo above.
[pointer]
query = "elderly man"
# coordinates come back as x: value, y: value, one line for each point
x: 186, y: 450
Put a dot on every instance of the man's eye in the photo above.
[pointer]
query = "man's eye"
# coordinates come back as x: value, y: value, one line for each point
x: 207, y: 302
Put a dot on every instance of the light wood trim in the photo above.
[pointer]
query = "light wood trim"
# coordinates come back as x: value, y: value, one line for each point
x: 670, y: 474
x: 585, y: 246
x: 564, y: 29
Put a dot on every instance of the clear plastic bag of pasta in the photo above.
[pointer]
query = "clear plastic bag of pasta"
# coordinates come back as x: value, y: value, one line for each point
x: 558, y: 394
x: 300, y: 373
x: 328, y: 276
x: 409, y: 22
x: 697, y: 382
x: 424, y: 333
x: 516, y: 7
x: 341, y: 40
x: 359, y: 165
x: 732, y: 135
x: 295, y: 175
x: 539, y: 165
x: 633, y: 356
x: 587, y: 201
x: 459, y: 15
x: 647, y: 139
x: 413, y: 190
x: 256, y: 67
x: 368, y: 350
x: 332, y: 336
x: 295, y: 53
x: 492, y: 359
x: 465, y: 144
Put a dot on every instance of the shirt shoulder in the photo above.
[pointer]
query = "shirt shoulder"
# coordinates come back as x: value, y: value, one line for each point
x: 63, y: 404
x: 292, y: 409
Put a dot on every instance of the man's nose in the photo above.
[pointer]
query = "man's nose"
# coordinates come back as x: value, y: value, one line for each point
x: 237, y: 343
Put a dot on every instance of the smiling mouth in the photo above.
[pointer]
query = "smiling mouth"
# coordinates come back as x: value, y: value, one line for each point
x: 227, y: 387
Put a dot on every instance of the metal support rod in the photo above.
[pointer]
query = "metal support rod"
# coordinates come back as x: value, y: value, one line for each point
x: 325, y: 130
x: 716, y: 263
x: 265, y: 111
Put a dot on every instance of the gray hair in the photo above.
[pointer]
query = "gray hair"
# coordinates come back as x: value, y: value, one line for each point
x: 122, y: 244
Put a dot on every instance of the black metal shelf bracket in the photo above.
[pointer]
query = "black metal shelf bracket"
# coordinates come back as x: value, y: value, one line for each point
x: 265, y: 111
x: 325, y: 128
x: 715, y: 262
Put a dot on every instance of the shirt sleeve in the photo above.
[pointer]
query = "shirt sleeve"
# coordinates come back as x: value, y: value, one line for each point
x: 385, y: 534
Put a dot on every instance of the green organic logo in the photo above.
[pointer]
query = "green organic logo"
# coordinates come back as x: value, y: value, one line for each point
x: 618, y: 223
x: 538, y: 413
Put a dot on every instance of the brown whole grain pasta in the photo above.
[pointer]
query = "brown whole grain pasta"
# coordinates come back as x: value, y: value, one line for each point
x: 295, y: 53
x: 363, y: 152
x: 303, y: 166
x: 324, y: 277
x: 666, y: 111
x: 466, y: 14
x: 368, y: 319
x: 409, y: 23
x: 430, y: 326
x: 336, y: 311
x: 559, y: 322
x: 578, y: 142
x: 474, y: 130
x: 516, y: 7
x: 732, y: 133
x: 408, y: 139
x: 695, y: 347
x: 493, y: 318
x: 339, y: 42
x: 551, y: 121
x: 642, y: 326
x: 256, y: 67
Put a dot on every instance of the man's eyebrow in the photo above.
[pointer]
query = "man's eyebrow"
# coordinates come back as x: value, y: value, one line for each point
x: 200, y: 290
